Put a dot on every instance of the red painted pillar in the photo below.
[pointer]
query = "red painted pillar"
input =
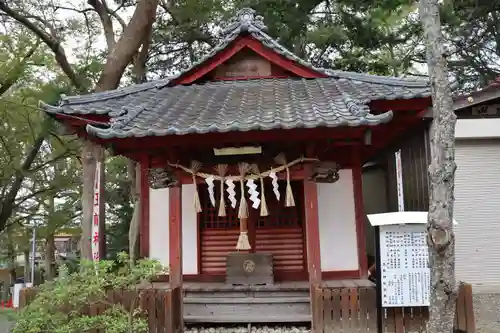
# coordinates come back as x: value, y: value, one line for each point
x: 313, y: 246
x: 312, y: 227
x: 143, y: 182
x: 357, y: 173
x: 175, y: 253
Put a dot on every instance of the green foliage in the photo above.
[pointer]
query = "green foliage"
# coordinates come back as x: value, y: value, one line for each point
x: 59, y: 304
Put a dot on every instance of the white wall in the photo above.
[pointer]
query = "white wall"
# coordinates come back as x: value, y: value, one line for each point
x: 158, y: 225
x: 189, y: 231
x: 337, y: 224
x: 486, y: 128
x: 159, y: 228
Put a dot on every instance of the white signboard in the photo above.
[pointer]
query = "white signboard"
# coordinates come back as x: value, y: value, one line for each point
x: 95, y: 213
x: 404, y: 260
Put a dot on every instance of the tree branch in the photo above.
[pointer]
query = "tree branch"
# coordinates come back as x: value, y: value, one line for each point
x: 12, y: 78
x: 51, y: 40
x: 33, y: 194
x: 126, y: 47
x: 65, y: 154
x: 107, y: 23
x: 8, y: 201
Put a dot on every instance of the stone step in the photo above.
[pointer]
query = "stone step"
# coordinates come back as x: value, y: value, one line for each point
x: 245, y: 293
x: 267, y: 309
x: 246, y: 300
x: 291, y: 318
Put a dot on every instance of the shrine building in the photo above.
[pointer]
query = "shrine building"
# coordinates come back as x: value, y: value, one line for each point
x: 251, y: 167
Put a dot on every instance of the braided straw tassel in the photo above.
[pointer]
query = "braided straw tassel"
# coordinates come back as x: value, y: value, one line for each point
x: 263, y: 205
x: 289, y: 200
x: 221, y: 170
x: 195, y: 167
x: 243, y: 242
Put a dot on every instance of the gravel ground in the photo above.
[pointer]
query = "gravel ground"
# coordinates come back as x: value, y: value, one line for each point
x: 487, y: 311
x: 486, y: 308
x: 5, y: 324
x: 246, y: 329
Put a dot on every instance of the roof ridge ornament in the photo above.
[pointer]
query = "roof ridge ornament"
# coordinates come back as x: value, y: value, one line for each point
x: 243, y: 20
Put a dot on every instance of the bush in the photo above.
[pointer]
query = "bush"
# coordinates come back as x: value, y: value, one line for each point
x: 61, y: 306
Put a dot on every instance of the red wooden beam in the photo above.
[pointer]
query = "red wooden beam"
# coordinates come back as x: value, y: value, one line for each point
x: 250, y: 77
x: 238, y: 44
x: 312, y: 227
x: 83, y: 120
x: 387, y: 135
x: 210, y: 64
x: 144, y: 204
x: 313, y: 253
x: 217, y: 140
x: 359, y: 212
x: 281, y: 61
x: 413, y: 104
x: 175, y: 236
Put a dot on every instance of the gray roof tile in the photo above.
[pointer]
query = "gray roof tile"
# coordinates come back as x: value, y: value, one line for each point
x: 156, y: 108
x: 244, y: 105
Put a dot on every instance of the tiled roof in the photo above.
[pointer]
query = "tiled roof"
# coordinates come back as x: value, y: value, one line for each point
x: 245, y: 105
x: 155, y: 108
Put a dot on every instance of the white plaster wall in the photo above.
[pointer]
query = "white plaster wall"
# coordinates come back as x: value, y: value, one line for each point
x: 486, y: 128
x: 158, y: 225
x: 337, y: 224
x: 159, y: 228
x: 189, y: 231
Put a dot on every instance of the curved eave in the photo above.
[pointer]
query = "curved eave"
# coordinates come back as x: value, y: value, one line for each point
x: 117, y: 133
x: 50, y: 109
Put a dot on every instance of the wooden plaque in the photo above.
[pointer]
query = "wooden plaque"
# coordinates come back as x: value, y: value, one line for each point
x: 249, y: 268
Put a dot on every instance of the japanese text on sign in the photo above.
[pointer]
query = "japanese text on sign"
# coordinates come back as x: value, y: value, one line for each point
x: 95, y: 214
x: 404, y: 264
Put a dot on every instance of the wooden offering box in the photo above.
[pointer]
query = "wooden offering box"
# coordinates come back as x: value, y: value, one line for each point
x: 249, y: 269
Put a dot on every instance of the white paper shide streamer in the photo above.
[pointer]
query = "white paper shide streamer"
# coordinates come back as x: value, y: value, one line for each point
x: 274, y: 182
x: 211, y: 189
x: 254, y: 194
x: 232, y: 193
x: 96, y: 219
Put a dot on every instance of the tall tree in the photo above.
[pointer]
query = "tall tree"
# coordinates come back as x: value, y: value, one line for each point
x: 440, y: 235
x: 120, y: 53
x: 473, y: 36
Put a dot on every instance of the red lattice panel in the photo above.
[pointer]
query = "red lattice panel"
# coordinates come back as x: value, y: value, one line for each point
x: 281, y: 232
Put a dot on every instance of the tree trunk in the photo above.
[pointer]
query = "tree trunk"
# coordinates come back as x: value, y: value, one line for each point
x: 440, y: 235
x: 118, y: 58
x: 50, y: 248
x: 88, y: 174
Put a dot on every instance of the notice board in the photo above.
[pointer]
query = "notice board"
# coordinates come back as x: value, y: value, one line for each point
x: 404, y: 261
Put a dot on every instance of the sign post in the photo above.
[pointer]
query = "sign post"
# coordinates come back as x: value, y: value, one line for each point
x: 399, y: 181
x: 96, y: 220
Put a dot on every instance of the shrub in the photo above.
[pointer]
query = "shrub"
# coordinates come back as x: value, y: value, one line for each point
x: 61, y: 306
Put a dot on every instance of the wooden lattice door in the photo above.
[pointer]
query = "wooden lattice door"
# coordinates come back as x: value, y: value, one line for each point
x: 218, y: 234
x: 281, y: 233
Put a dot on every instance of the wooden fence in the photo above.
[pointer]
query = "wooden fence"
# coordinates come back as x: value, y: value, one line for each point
x: 162, y: 308
x: 349, y: 310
